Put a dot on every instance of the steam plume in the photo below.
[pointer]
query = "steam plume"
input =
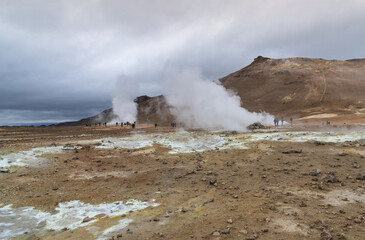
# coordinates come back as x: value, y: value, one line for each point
x: 126, y: 89
x: 196, y: 102
x: 205, y: 104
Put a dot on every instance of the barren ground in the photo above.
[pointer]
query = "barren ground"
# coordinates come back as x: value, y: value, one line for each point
x: 271, y: 189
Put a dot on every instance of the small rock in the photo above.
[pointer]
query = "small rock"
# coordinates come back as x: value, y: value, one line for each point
x: 315, y: 173
x: 342, y: 236
x: 230, y: 221
x: 293, y: 151
x: 244, y: 231
x: 159, y: 234
x: 360, y: 177
x: 302, y: 204
x: 357, y: 220
x: 326, y: 235
x: 331, y: 178
x: 212, y: 181
x: 87, y: 219
x: 272, y: 208
x: 226, y: 231
x: 216, y: 234
x: 356, y: 166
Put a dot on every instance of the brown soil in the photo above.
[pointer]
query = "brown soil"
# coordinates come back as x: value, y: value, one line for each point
x: 260, y: 192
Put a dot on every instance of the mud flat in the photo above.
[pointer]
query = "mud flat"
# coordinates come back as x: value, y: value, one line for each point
x: 163, y: 183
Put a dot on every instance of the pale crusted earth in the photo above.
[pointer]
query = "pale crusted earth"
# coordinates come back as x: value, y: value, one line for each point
x: 164, y: 183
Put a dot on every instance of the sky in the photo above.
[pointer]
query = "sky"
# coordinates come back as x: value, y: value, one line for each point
x: 61, y: 60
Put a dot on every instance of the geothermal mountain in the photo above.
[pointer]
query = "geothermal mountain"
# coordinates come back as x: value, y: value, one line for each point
x: 150, y: 110
x: 301, y: 87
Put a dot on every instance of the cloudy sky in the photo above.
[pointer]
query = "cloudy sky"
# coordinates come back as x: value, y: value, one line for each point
x: 60, y: 60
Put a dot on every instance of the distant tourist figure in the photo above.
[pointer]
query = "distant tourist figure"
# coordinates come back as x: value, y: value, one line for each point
x: 276, y: 121
x: 105, y: 124
x: 282, y: 121
x: 99, y: 124
x: 116, y: 124
x: 291, y: 121
x: 155, y: 125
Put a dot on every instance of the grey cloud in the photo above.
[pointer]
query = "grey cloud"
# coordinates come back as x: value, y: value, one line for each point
x: 62, y: 58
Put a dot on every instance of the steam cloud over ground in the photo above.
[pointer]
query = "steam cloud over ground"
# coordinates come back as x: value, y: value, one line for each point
x: 196, y: 102
x: 205, y: 104
x: 124, y: 93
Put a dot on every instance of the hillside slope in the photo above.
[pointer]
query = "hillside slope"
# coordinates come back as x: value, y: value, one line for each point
x: 300, y: 86
x: 105, y: 116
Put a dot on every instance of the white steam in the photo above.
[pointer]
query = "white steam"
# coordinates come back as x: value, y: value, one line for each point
x: 195, y: 102
x: 126, y: 89
x: 205, y: 104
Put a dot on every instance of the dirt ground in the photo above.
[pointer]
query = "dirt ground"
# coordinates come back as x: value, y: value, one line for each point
x: 271, y: 190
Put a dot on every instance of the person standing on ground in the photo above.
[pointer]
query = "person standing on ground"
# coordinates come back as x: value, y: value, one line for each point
x: 282, y: 121
x: 291, y: 121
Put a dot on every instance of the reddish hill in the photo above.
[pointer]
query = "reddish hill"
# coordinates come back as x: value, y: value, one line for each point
x: 301, y: 87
